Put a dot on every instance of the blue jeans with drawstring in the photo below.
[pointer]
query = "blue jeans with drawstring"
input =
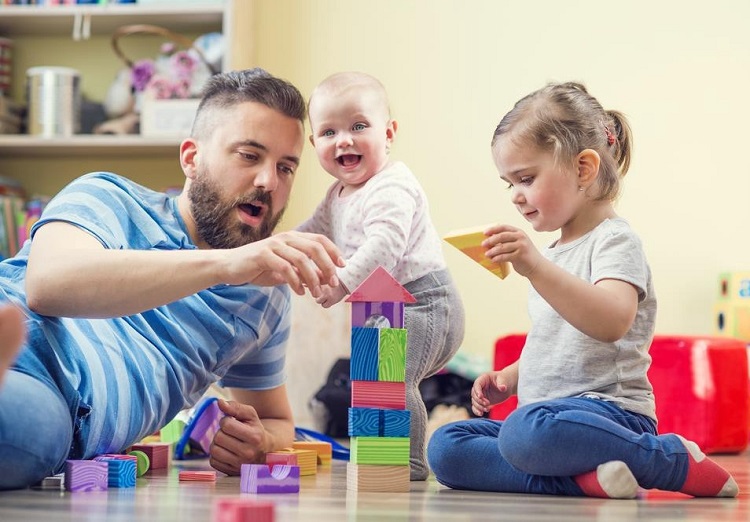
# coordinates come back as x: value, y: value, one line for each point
x: 540, y: 447
x: 36, y: 430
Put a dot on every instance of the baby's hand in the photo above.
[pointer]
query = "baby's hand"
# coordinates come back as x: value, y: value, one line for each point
x: 330, y: 295
x: 488, y: 390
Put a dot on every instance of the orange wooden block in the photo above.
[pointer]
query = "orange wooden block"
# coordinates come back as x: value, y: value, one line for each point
x: 324, y: 450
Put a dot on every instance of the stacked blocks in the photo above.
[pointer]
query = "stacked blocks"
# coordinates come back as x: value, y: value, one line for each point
x: 259, y: 478
x: 732, y: 308
x: 378, y: 419
x: 701, y: 387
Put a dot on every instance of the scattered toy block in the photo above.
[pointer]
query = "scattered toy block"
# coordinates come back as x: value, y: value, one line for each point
x: 374, y: 422
x: 275, y: 458
x: 142, y: 462
x: 323, y: 450
x: 259, y: 478
x: 205, y: 424
x: 392, y: 355
x: 159, y: 453
x: 196, y: 475
x: 121, y: 473
x: 307, y: 460
x: 734, y: 286
x: 242, y: 510
x: 172, y: 432
x: 86, y: 475
x: 380, y: 451
x: 54, y: 482
x: 469, y: 242
x: 378, y: 479
x: 364, y: 359
x: 379, y: 394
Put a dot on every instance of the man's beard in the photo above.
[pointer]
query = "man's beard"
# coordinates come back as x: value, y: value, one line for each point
x: 215, y: 219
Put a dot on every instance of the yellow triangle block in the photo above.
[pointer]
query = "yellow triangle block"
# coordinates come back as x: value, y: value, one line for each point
x: 469, y: 241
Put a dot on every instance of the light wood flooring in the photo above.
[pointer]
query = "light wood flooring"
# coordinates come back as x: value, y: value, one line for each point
x: 323, y: 497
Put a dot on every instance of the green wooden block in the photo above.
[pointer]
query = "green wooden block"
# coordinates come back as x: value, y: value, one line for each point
x: 390, y: 451
x: 172, y: 431
x: 392, y: 355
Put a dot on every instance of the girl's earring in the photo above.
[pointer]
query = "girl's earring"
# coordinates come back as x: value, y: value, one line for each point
x: 580, y: 189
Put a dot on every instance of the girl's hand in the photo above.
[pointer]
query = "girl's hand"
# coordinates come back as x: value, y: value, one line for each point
x: 507, y: 243
x: 488, y: 389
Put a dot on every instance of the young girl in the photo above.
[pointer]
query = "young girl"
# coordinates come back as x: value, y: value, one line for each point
x: 378, y: 214
x: 586, y: 422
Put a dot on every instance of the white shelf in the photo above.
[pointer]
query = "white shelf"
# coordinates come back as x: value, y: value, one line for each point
x: 59, y: 20
x: 87, y: 145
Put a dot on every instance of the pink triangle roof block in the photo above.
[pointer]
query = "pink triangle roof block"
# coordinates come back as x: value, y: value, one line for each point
x: 381, y: 286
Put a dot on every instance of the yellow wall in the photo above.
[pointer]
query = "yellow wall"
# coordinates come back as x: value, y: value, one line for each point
x: 453, y: 68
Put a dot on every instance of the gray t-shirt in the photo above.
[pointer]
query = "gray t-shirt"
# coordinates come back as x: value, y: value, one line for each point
x: 559, y: 361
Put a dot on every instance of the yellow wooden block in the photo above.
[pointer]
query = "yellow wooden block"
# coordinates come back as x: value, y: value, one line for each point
x: 734, y: 286
x: 469, y: 241
x: 732, y: 319
x: 307, y: 460
x: 323, y: 450
x: 382, y: 479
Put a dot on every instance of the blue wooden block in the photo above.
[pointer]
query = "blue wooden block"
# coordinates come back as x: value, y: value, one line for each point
x: 373, y: 422
x: 364, y: 360
x: 121, y: 473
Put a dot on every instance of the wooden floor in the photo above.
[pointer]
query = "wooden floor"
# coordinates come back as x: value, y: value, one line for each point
x: 324, y: 497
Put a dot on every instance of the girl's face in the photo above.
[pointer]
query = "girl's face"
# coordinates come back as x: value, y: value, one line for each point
x: 351, y: 133
x: 546, y: 194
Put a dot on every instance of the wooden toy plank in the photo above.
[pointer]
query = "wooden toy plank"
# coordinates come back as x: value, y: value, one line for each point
x: 380, y: 450
x: 392, y: 355
x: 364, y: 359
x: 378, y: 479
x: 375, y: 422
x: 379, y: 394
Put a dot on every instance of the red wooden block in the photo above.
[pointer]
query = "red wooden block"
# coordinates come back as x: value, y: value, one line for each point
x: 385, y: 395
x: 234, y: 509
x: 701, y: 386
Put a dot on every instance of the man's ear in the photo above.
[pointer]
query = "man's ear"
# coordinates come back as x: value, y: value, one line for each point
x: 587, y: 164
x: 188, y: 153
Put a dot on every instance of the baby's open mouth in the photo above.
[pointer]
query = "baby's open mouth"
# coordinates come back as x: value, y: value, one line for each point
x: 347, y: 160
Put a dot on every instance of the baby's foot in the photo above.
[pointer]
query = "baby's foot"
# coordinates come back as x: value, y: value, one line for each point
x: 612, y: 479
x: 12, y: 334
x: 705, y: 478
x: 418, y: 470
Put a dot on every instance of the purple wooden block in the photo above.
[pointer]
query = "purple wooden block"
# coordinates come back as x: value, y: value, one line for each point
x: 390, y: 311
x: 259, y: 478
x: 86, y: 475
x: 206, y: 427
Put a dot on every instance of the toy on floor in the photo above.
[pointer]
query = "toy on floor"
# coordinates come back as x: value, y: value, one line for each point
x: 469, y: 241
x: 732, y: 308
x: 234, y: 509
x: 378, y: 418
x: 260, y: 478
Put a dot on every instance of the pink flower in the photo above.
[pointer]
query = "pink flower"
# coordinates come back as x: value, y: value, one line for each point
x: 182, y: 64
x: 161, y: 87
x: 141, y: 73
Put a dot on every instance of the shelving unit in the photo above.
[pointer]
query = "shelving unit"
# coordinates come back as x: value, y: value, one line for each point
x: 23, y: 156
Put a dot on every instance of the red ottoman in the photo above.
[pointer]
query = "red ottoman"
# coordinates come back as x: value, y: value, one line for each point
x: 701, y: 386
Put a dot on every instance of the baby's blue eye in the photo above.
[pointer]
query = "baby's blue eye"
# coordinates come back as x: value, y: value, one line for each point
x: 327, y: 133
x: 359, y: 126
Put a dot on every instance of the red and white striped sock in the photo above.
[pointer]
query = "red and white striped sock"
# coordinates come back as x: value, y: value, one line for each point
x: 612, y: 479
x: 705, y: 478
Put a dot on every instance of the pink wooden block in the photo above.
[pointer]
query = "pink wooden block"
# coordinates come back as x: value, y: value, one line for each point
x: 276, y: 458
x: 384, y: 395
x: 381, y: 286
x: 242, y: 510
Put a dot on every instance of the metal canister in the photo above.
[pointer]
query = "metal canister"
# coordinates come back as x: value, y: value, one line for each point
x: 53, y: 95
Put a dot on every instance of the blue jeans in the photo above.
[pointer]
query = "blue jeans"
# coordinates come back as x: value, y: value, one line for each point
x: 540, y: 447
x: 36, y: 431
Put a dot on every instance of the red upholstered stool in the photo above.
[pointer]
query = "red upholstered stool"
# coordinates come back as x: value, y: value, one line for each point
x: 701, y: 385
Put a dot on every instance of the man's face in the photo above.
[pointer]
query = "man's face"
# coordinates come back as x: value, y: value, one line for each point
x: 243, y: 175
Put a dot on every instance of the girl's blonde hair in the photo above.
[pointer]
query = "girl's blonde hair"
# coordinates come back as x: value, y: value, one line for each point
x: 565, y: 119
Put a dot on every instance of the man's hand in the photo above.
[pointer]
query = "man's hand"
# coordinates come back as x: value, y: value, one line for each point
x: 300, y: 259
x: 241, y: 439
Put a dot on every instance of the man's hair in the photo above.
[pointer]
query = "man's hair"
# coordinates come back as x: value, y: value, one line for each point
x: 225, y: 90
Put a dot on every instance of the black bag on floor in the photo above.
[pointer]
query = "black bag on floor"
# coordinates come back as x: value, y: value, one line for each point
x: 330, y: 405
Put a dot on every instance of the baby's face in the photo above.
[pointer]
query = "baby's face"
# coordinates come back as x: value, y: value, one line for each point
x: 351, y: 132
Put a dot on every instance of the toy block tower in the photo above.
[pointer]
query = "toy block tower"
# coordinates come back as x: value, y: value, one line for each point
x: 732, y: 308
x: 378, y: 418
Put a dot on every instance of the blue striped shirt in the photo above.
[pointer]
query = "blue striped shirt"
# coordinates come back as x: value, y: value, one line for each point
x: 126, y: 377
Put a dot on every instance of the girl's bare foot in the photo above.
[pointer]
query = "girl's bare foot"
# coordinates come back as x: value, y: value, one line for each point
x: 12, y: 335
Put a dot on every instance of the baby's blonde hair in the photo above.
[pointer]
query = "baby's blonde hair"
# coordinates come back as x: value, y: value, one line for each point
x: 342, y: 81
x: 565, y: 119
